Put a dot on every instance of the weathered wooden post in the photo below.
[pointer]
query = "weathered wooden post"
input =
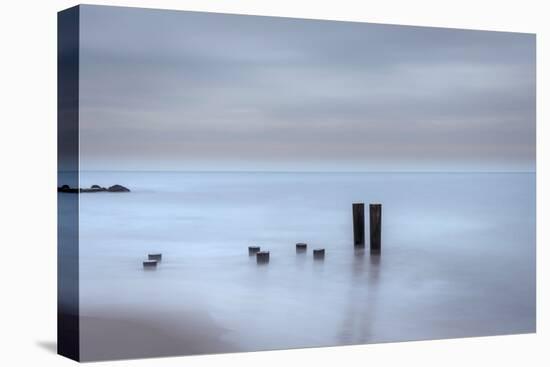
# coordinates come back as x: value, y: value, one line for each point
x: 301, y: 247
x: 262, y: 257
x: 319, y: 254
x: 359, y: 224
x: 375, y: 211
x: 157, y: 257
x: 253, y: 250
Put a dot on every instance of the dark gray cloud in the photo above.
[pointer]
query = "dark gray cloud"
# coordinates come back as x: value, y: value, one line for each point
x: 183, y: 90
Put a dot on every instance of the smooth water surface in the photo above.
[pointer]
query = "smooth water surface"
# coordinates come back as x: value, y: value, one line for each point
x: 458, y: 259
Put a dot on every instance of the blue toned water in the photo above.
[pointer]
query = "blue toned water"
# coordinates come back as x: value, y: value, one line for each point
x: 458, y: 256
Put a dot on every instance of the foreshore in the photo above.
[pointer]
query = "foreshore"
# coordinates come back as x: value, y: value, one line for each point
x: 122, y: 334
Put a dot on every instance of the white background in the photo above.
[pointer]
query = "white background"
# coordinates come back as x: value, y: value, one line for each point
x: 28, y: 181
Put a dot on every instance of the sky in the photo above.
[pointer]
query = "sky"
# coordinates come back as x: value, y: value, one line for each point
x: 172, y: 90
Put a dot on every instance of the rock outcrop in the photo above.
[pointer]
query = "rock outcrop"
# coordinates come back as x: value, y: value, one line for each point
x: 94, y: 188
x: 117, y: 188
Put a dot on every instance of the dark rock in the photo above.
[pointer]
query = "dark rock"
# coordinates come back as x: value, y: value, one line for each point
x: 94, y: 188
x: 66, y: 188
x: 118, y: 188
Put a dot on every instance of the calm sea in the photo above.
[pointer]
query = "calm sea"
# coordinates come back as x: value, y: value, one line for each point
x: 458, y: 255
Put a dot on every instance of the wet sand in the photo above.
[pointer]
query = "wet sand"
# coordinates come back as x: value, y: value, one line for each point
x: 135, y: 335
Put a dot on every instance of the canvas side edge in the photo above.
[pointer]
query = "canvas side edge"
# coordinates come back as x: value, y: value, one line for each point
x: 68, y: 328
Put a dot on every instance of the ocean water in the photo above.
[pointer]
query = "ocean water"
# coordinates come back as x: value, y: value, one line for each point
x: 458, y: 258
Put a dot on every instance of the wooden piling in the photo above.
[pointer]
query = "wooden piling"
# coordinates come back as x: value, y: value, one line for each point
x: 150, y: 264
x: 359, y: 224
x: 301, y: 247
x: 253, y: 250
x: 262, y: 257
x: 375, y: 211
x: 157, y: 257
x: 319, y: 254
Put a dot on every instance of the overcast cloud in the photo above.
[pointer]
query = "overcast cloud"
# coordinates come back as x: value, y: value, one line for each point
x: 188, y: 91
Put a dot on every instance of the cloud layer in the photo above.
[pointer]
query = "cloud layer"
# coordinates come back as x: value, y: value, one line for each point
x: 187, y: 91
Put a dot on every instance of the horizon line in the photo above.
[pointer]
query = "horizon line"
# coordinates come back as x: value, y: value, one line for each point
x: 297, y: 171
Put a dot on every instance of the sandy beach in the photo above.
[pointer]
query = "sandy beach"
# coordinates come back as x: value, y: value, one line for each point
x: 120, y: 334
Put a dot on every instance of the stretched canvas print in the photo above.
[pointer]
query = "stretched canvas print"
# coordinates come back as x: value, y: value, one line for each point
x: 234, y: 183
